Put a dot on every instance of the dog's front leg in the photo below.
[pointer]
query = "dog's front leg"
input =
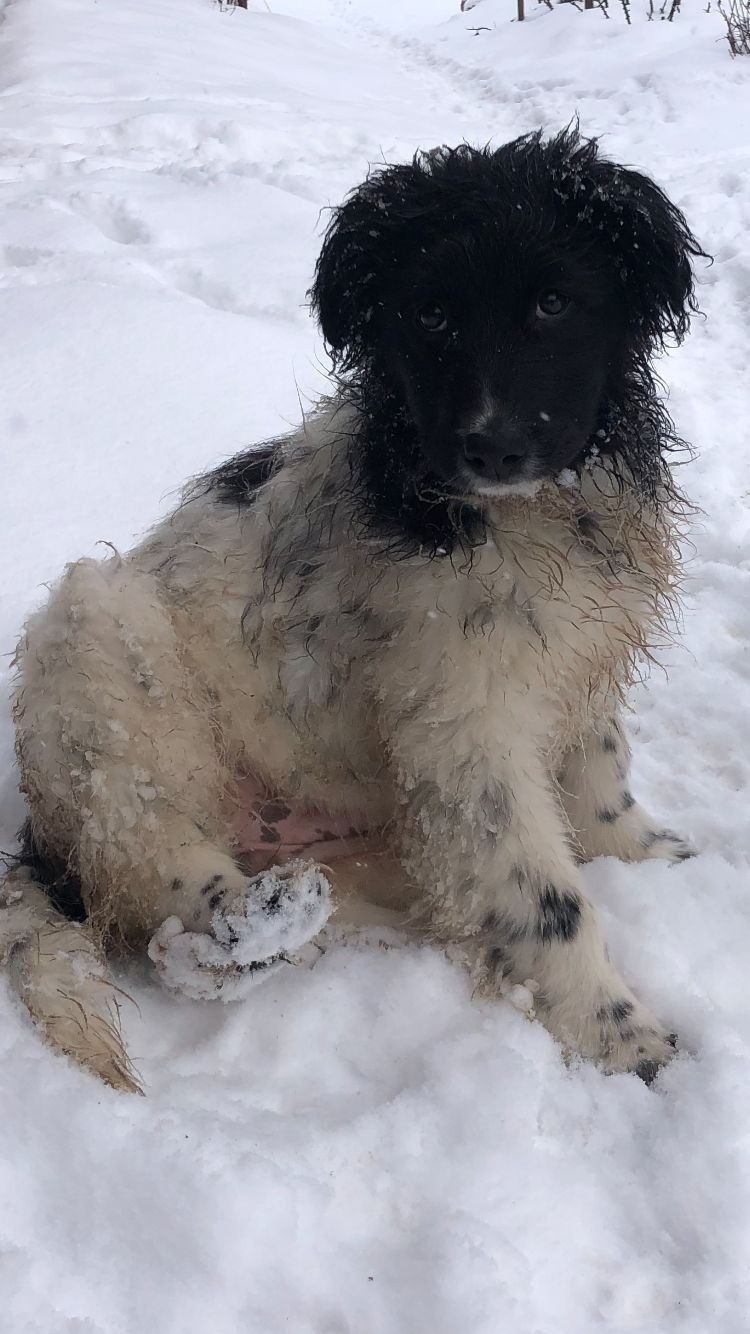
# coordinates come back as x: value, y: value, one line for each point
x: 486, y: 842
x: 595, y: 791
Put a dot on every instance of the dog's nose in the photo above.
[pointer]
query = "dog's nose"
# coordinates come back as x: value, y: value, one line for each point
x: 490, y: 458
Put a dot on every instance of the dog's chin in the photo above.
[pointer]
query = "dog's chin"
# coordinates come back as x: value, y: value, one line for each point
x: 525, y: 486
x: 463, y: 483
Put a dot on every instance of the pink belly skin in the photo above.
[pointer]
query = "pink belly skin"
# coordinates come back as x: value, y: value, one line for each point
x: 269, y: 831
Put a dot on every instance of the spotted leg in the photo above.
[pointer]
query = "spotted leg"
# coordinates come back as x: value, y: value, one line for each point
x: 485, y: 840
x: 607, y: 819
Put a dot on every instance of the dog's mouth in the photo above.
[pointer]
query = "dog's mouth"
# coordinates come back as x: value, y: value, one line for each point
x: 525, y: 484
x: 524, y: 480
x: 464, y: 480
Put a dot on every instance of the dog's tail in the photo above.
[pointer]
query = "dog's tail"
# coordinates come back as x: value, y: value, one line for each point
x: 57, y: 968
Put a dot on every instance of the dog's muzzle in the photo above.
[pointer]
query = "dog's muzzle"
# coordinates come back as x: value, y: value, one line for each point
x: 498, y: 455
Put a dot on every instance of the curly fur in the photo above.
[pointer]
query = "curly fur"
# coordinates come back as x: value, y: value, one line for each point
x: 420, y: 610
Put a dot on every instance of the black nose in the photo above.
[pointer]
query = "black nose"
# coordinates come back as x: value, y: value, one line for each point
x: 490, y: 458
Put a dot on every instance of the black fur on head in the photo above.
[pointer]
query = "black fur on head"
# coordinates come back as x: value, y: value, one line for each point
x: 493, y: 314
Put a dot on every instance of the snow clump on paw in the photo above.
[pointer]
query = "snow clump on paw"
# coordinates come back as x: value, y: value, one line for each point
x: 283, y: 908
x: 195, y: 965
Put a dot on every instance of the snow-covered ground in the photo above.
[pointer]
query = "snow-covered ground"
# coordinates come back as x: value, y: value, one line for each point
x: 363, y: 1148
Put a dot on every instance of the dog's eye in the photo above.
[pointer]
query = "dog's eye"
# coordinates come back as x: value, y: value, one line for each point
x: 432, y: 319
x: 551, y: 303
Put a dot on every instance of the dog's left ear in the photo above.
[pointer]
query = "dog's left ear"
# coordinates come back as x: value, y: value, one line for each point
x: 655, y: 249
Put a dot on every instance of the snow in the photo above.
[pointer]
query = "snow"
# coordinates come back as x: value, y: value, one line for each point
x: 361, y: 1147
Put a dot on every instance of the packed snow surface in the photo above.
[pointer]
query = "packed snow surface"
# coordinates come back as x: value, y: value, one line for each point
x: 361, y: 1147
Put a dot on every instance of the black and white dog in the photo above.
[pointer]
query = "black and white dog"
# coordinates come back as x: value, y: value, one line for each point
x: 406, y: 628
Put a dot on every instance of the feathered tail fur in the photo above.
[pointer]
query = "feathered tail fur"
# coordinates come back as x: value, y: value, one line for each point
x: 58, y: 970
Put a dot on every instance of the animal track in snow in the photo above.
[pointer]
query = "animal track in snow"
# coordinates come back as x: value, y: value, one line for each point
x: 112, y: 216
x: 25, y: 257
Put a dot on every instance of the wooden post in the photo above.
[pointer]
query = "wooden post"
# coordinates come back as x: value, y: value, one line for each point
x: 521, y: 14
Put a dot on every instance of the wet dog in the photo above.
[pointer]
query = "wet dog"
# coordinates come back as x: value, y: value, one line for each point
x: 406, y: 629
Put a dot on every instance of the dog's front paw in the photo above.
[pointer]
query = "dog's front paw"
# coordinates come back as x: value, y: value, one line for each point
x: 621, y: 1037
x: 645, y: 1054
x: 630, y: 1040
x: 663, y: 845
x: 194, y: 964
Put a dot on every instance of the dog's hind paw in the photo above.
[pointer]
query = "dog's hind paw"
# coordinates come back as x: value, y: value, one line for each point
x: 254, y: 934
x: 195, y: 965
x: 280, y: 910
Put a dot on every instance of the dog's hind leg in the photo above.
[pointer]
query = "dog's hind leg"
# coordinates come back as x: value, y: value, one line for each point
x: 123, y: 768
x: 117, y: 751
x: 606, y: 818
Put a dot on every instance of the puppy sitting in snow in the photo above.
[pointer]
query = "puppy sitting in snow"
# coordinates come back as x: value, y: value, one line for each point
x: 393, y: 644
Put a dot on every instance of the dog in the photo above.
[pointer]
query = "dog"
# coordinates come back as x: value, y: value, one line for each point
x: 394, y: 643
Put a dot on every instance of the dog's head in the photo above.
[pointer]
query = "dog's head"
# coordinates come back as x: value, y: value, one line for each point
x: 504, y: 295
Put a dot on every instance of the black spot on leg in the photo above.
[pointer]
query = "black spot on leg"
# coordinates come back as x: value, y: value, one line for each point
x: 628, y: 801
x: 211, y: 884
x: 176, y: 885
x: 607, y: 815
x: 652, y: 836
x: 497, y: 960
x: 620, y: 1011
x: 609, y: 743
x: 617, y: 1012
x: 215, y: 900
x: 682, y: 854
x: 559, y: 914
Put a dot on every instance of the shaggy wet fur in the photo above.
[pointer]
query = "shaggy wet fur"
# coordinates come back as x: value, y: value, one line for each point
x: 420, y: 610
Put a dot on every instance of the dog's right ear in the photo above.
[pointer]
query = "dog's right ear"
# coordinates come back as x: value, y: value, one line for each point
x: 344, y: 287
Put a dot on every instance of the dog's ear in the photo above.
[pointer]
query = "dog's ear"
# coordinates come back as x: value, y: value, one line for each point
x: 654, y: 249
x: 345, y: 282
x: 359, y: 252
